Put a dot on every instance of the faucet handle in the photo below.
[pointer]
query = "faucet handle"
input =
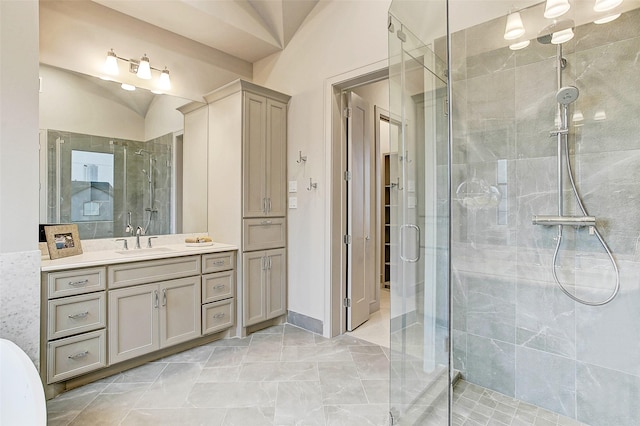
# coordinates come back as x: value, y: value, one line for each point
x: 125, y: 247
x: 139, y: 230
x: 149, y: 242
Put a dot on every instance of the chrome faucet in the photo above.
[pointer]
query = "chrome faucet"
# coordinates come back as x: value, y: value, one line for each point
x: 129, y: 228
x: 139, y: 231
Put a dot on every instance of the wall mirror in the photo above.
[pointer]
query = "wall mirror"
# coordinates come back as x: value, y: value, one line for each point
x: 112, y: 160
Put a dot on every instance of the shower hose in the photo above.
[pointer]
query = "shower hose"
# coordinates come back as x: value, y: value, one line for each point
x: 597, y: 233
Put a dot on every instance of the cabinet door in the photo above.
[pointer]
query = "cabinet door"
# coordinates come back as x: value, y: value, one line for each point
x: 133, y: 322
x: 276, y: 159
x: 276, y: 302
x: 179, y: 310
x: 253, y: 155
x: 254, y: 287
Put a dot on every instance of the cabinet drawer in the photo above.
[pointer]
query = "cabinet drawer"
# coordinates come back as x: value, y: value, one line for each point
x: 128, y: 274
x: 260, y: 234
x: 215, y: 262
x: 77, y: 314
x: 218, y: 286
x: 76, y: 355
x: 75, y: 281
x: 217, y: 316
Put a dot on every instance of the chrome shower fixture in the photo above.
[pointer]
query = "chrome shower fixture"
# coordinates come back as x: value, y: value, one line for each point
x: 567, y: 95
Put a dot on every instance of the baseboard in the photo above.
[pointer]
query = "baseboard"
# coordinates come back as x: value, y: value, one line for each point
x: 305, y: 322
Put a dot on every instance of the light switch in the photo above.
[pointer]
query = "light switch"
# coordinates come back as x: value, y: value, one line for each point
x: 293, y: 202
x: 293, y: 186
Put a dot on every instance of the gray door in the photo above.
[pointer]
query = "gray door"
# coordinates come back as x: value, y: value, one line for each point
x: 360, y: 222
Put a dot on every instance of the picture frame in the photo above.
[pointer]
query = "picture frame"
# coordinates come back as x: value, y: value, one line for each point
x: 63, y: 240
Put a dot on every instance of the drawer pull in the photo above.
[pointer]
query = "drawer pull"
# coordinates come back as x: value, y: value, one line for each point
x: 79, y: 315
x: 79, y: 355
x: 219, y: 262
x: 266, y: 222
x: 219, y: 287
x: 79, y: 283
x: 218, y: 316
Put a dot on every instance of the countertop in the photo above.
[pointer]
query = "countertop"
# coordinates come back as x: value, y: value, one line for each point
x: 111, y: 257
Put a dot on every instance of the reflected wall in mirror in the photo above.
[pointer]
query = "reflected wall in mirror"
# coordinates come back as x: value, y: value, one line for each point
x: 110, y: 152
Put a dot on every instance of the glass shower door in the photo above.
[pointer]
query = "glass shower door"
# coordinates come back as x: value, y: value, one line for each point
x: 419, y: 372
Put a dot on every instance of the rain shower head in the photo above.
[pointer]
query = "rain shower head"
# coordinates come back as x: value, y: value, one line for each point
x: 567, y: 95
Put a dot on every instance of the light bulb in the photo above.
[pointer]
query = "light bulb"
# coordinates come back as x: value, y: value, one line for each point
x: 563, y: 36
x: 607, y: 19
x: 604, y: 5
x: 514, y: 27
x: 128, y: 87
x: 600, y: 115
x: 165, y: 81
x: 111, y: 63
x: 519, y: 45
x: 555, y: 8
x: 144, y: 69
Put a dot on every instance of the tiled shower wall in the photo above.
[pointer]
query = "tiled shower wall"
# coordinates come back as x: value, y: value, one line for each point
x: 131, y: 189
x: 514, y: 331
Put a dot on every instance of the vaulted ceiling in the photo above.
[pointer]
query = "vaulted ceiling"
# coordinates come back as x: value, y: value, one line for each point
x: 247, y: 29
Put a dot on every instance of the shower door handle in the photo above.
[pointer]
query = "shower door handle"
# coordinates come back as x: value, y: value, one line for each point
x: 417, y: 230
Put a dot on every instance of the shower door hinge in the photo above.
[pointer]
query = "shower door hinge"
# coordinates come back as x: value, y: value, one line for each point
x: 347, y: 175
x: 445, y: 106
x: 402, y: 36
x: 347, y: 239
x: 347, y: 112
x: 390, y: 26
x: 347, y: 302
x: 392, y: 421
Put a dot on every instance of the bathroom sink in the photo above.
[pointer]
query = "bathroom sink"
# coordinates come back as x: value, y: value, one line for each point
x: 144, y: 251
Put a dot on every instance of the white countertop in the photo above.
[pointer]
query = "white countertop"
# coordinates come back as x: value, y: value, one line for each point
x: 110, y: 257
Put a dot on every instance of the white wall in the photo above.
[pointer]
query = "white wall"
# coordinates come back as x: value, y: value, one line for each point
x: 337, y: 37
x: 163, y: 116
x: 19, y: 257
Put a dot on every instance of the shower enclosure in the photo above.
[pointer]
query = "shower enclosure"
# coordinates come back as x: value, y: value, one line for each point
x: 95, y: 181
x: 480, y: 330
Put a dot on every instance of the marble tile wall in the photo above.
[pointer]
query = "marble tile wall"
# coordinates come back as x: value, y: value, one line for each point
x: 514, y: 330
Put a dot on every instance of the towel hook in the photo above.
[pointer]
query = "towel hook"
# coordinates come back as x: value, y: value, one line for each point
x: 312, y: 185
x: 301, y: 158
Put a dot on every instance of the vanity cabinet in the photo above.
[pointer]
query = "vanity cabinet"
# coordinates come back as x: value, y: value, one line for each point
x: 97, y: 317
x: 248, y: 192
x: 265, y: 288
x: 75, y: 311
x: 264, y: 156
x: 145, y: 318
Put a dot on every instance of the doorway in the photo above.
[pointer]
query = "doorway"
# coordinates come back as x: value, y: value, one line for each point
x: 360, y: 211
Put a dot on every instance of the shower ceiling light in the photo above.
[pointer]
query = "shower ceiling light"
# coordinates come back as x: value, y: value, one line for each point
x: 519, y: 45
x: 562, y: 36
x: 141, y: 68
x: 514, y: 27
x: 604, y: 5
x: 555, y: 8
x: 600, y: 115
x: 607, y: 19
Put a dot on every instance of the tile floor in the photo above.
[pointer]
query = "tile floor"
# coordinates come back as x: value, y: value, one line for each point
x: 279, y: 376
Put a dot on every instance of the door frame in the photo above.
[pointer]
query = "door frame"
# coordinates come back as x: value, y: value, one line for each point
x: 336, y: 225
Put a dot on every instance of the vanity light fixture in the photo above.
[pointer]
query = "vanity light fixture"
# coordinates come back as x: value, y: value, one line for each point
x: 514, y: 27
x: 141, y: 68
x: 607, y: 19
x: 604, y: 5
x: 165, y: 81
x: 562, y: 36
x: 556, y: 8
x: 144, y: 68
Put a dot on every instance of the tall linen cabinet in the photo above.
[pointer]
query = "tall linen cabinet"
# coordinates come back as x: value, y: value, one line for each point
x: 247, y: 193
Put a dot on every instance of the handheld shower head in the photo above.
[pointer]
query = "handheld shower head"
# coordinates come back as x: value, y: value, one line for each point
x: 567, y: 95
